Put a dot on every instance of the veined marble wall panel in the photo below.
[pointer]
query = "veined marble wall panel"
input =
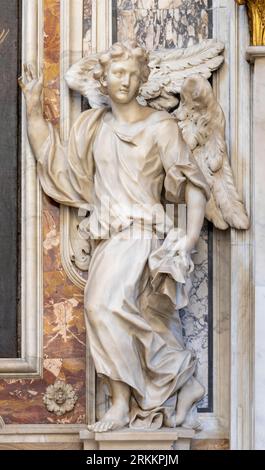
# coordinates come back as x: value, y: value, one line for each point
x: 87, y: 27
x: 163, y: 23
x: 21, y: 401
x: 197, y: 316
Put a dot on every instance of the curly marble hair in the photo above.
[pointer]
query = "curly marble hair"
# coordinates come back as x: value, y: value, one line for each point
x: 125, y: 51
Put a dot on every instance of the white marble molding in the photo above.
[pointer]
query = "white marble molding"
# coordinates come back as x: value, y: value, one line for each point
x: 256, y: 56
x: 30, y: 362
x: 71, y: 46
x: 238, y: 87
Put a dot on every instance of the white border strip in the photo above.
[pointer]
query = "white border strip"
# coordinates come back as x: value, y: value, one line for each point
x: 71, y: 52
x: 29, y: 365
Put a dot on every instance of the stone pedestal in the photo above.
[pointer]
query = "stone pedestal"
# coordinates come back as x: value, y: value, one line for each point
x: 163, y: 439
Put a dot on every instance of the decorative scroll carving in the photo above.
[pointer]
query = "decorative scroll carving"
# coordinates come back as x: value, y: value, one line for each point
x: 256, y: 16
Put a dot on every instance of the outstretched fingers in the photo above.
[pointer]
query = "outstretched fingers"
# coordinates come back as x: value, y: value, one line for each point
x: 41, y: 79
x: 32, y: 72
x: 28, y: 72
x: 30, y: 80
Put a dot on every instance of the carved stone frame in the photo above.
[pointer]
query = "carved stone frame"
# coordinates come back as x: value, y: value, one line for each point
x: 29, y: 364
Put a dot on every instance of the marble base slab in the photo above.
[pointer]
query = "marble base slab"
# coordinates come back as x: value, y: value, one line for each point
x: 130, y: 439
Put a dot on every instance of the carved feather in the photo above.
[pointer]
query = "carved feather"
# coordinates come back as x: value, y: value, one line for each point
x: 202, y: 123
x: 199, y: 116
x: 198, y: 53
x: 169, y: 69
x: 80, y: 78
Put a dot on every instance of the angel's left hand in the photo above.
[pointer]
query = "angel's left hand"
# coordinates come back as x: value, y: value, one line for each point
x: 183, y: 245
x: 182, y: 249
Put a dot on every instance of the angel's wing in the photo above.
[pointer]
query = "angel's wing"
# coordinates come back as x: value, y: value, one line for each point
x: 169, y: 68
x: 80, y: 78
x: 199, y: 115
x: 202, y: 123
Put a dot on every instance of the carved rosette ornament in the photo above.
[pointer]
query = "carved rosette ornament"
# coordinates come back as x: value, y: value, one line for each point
x: 60, y: 398
x: 256, y: 16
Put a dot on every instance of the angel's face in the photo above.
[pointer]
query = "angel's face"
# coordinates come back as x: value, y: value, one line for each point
x: 123, y: 80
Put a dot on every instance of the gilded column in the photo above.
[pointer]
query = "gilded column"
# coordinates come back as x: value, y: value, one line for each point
x: 256, y: 16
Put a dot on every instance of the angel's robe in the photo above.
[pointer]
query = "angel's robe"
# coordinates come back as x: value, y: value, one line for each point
x: 135, y: 286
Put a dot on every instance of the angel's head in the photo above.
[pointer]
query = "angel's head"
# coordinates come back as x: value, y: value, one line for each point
x: 122, y: 70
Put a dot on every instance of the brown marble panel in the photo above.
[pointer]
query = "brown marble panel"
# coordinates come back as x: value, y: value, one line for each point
x: 42, y: 446
x: 51, y: 235
x: 52, y: 60
x: 64, y: 329
x: 210, y: 444
x: 21, y: 401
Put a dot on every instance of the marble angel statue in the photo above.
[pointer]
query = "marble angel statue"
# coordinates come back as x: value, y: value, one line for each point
x: 138, y: 147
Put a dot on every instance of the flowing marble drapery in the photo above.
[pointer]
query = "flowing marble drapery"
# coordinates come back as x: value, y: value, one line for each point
x: 135, y: 284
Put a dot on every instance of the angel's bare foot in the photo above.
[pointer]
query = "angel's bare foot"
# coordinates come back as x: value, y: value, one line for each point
x: 118, y: 415
x: 116, y: 418
x: 189, y: 394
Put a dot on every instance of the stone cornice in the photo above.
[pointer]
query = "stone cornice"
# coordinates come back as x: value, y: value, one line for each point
x: 254, y: 52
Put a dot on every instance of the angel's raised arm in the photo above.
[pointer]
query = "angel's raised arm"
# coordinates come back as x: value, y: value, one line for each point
x: 38, y: 130
x: 65, y: 169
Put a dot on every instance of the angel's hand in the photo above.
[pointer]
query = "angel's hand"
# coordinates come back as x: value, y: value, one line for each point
x: 31, y: 87
x: 38, y: 129
x: 182, y: 249
x: 183, y: 245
